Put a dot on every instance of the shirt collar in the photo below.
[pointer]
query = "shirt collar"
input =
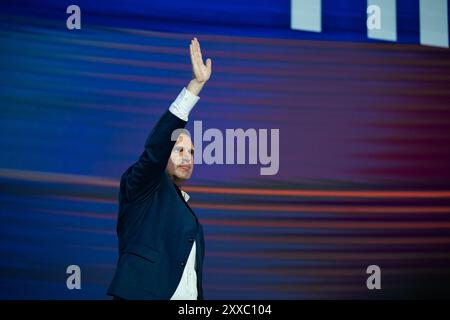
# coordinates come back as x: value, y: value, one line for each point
x: 185, y: 195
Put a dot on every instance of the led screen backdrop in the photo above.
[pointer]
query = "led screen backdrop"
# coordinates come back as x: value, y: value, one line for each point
x: 364, y: 129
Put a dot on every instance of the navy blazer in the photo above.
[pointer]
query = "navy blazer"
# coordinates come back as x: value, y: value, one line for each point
x: 156, y: 227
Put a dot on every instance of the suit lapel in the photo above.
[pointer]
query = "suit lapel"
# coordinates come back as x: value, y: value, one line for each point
x: 180, y: 196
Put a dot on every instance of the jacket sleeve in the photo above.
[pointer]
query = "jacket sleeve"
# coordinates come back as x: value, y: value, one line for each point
x: 144, y: 175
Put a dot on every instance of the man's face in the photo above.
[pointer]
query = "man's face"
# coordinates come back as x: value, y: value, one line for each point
x: 181, y: 162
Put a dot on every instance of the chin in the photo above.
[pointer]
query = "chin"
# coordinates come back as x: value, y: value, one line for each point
x: 183, y: 177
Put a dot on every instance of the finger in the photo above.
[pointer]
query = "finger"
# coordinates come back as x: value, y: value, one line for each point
x: 194, y: 59
x: 199, y: 52
x: 195, y: 45
x: 191, y: 49
x: 194, y: 51
x: 197, y: 49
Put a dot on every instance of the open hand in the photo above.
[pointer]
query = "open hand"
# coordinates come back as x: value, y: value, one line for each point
x: 200, y: 71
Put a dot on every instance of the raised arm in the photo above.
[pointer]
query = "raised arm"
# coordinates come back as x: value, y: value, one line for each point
x: 144, y: 175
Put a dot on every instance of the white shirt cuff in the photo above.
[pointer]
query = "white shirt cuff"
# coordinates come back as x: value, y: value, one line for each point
x: 183, y: 104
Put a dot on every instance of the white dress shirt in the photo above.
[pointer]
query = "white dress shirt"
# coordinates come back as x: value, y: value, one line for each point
x: 187, y: 287
x: 183, y: 104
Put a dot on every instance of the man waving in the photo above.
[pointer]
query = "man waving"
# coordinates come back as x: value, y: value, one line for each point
x: 161, y: 243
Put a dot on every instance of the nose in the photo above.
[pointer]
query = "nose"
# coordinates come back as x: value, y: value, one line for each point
x: 186, y: 157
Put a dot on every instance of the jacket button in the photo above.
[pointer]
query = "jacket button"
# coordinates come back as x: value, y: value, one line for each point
x: 183, y: 263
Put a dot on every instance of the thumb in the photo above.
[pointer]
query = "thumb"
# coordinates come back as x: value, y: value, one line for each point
x: 208, y: 63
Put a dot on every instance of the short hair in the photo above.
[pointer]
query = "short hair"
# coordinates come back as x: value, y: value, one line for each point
x: 177, y: 132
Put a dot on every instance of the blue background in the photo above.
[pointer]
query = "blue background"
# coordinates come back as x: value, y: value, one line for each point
x: 364, y: 134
